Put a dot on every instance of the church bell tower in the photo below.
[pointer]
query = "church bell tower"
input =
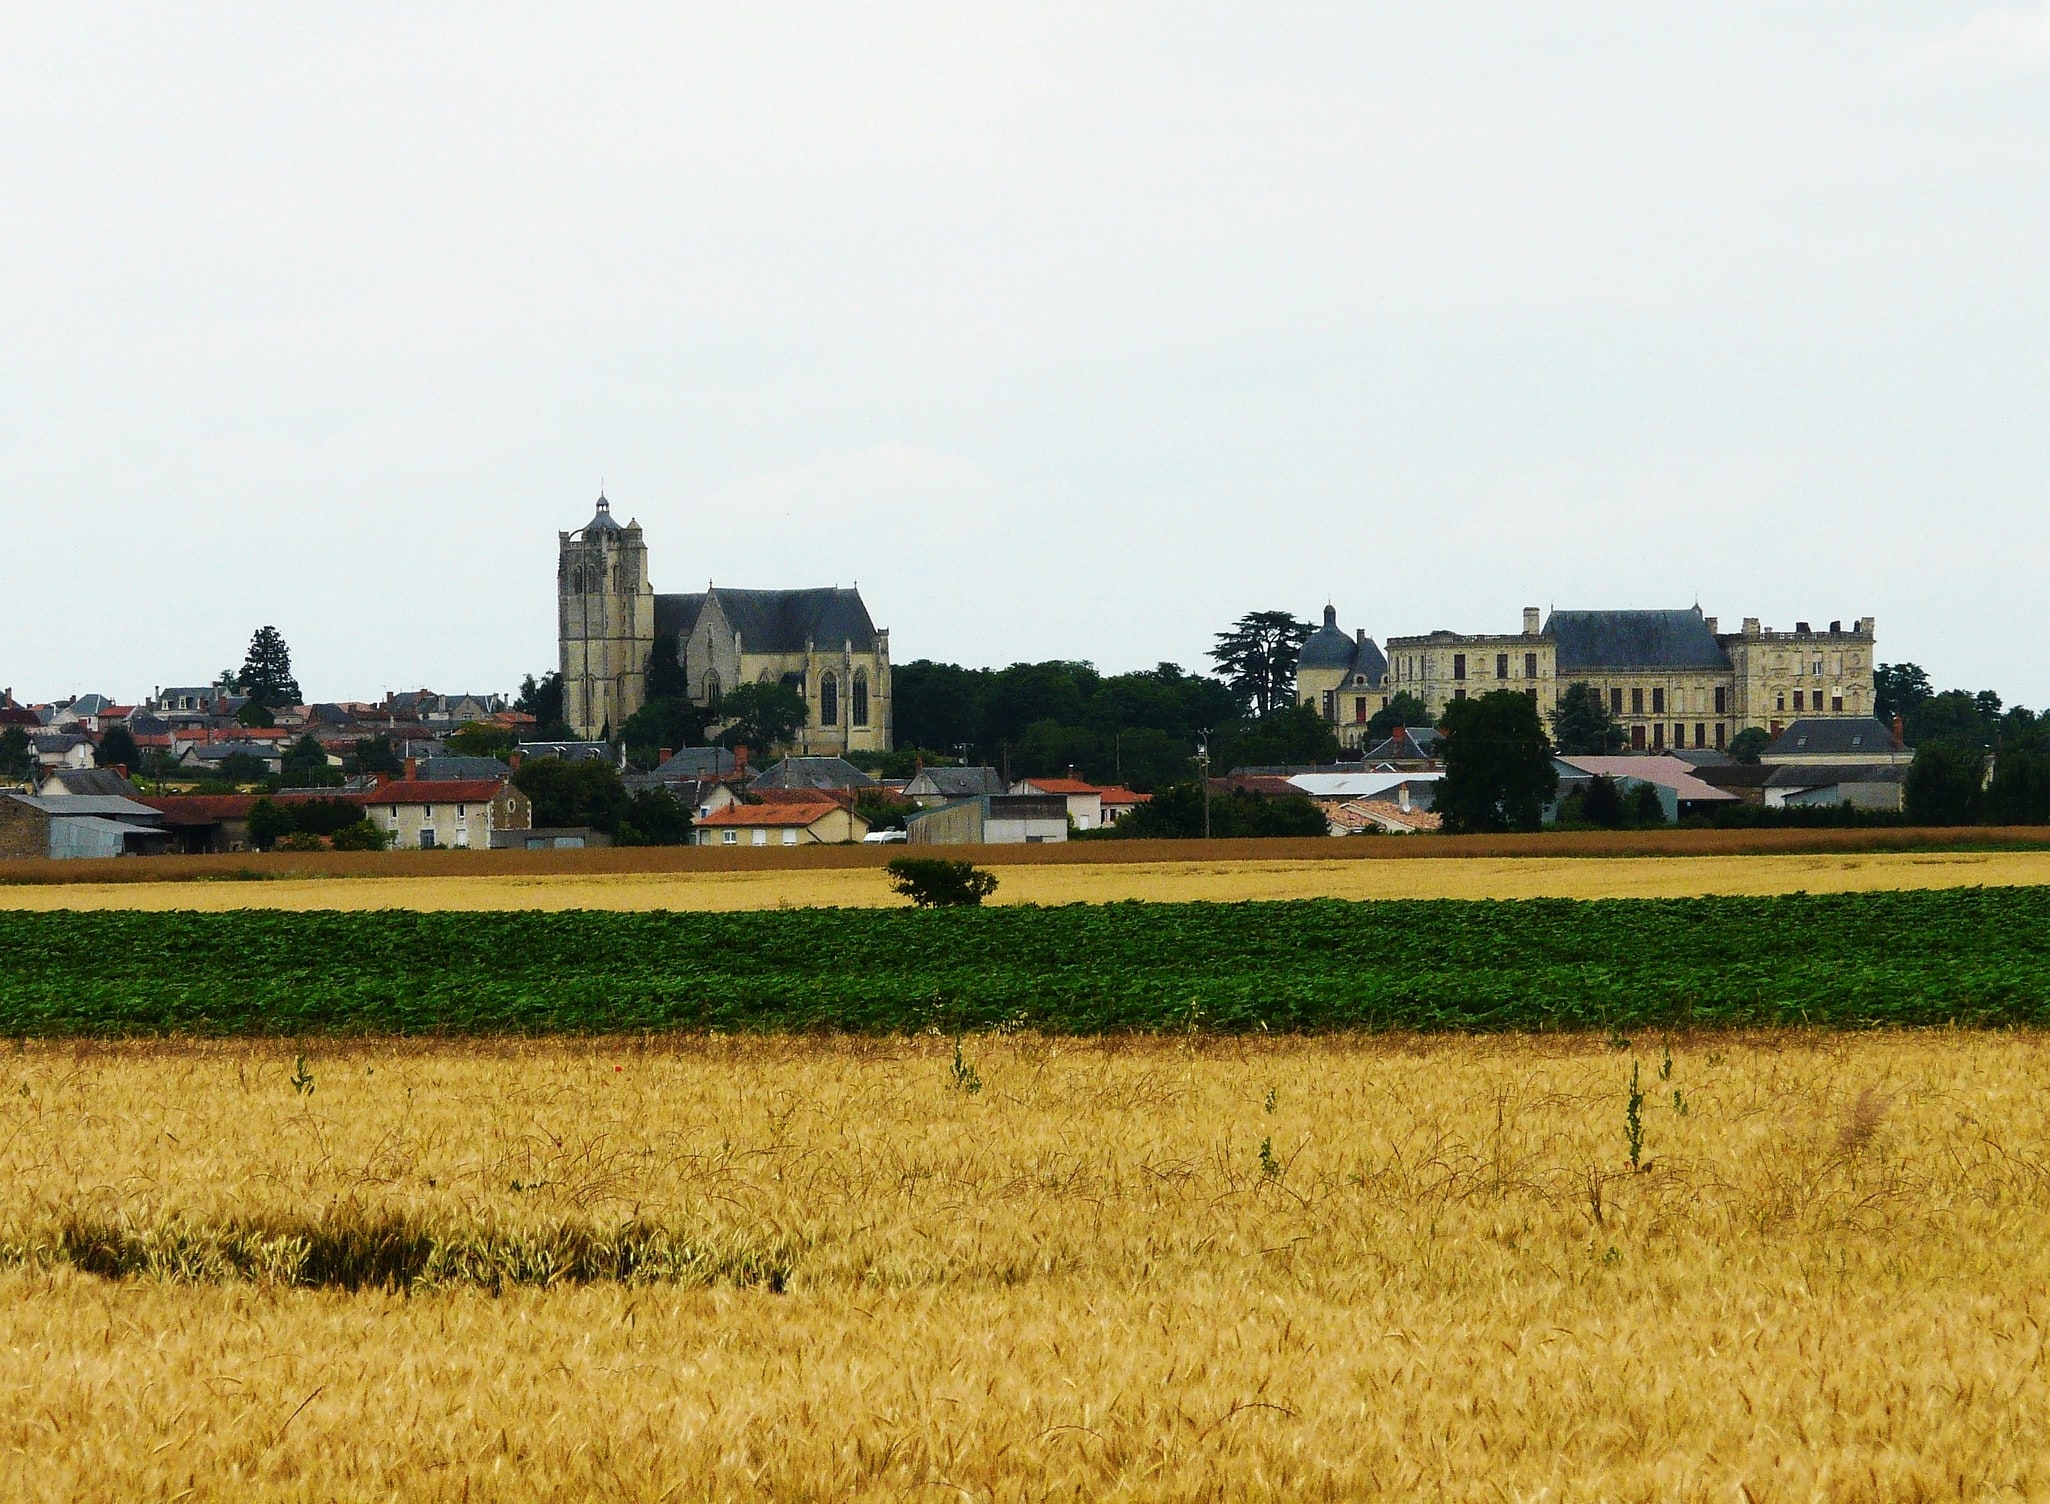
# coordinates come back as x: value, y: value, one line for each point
x: 605, y: 623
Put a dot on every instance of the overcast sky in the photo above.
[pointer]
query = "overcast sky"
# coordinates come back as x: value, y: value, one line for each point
x: 1063, y: 331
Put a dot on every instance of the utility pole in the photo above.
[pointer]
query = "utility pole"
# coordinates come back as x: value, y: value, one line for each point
x: 1203, y: 775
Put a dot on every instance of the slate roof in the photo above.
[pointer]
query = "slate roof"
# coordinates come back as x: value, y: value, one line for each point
x: 437, y: 769
x: 109, y: 806
x: 75, y: 781
x: 1593, y: 641
x: 1862, y: 735
x: 813, y: 773
x: 957, y: 783
x: 698, y: 762
x: 677, y: 615
x: 1330, y: 647
x: 601, y: 520
x: 200, y: 809
x: 779, y: 621
x: 1408, y: 741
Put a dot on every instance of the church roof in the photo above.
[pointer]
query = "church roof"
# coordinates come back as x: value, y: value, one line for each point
x: 1634, y: 639
x: 776, y: 621
x: 601, y: 521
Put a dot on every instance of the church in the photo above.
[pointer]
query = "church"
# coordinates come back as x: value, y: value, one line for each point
x: 610, y: 623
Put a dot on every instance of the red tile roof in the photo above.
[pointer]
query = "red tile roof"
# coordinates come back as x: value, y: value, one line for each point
x: 1063, y: 786
x: 778, y: 814
x: 1122, y: 796
x: 432, y: 791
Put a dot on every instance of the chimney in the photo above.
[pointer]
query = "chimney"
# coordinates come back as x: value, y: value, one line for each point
x: 1750, y: 626
x: 1402, y: 797
x: 740, y: 759
x: 1360, y: 635
x: 515, y: 758
x: 1835, y: 627
x: 1709, y: 622
x: 667, y: 753
x: 1530, y: 621
x: 412, y: 768
x: 1800, y: 626
x: 121, y: 768
x: 1899, y: 731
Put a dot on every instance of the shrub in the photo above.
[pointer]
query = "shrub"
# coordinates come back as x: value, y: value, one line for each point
x: 362, y: 836
x: 935, y: 883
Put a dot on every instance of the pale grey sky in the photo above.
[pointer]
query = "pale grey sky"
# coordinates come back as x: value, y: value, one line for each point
x: 1064, y: 330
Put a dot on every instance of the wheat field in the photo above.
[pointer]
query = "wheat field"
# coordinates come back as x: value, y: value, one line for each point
x: 1216, y: 880
x: 1033, y: 1269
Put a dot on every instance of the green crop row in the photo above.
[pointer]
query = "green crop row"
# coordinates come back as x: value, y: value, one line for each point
x: 1977, y: 956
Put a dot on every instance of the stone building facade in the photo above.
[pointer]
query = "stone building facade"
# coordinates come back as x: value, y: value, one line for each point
x: 820, y: 642
x: 1670, y: 678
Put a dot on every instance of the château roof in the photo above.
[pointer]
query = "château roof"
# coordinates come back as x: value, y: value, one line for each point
x: 1330, y: 646
x: 1634, y: 639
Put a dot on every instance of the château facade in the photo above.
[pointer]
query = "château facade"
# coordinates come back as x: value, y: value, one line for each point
x: 610, y: 624
x: 1669, y: 678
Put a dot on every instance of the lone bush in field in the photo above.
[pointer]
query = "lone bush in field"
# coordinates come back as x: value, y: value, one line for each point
x: 935, y: 883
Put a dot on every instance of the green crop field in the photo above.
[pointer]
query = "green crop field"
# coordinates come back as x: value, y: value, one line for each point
x: 1977, y: 956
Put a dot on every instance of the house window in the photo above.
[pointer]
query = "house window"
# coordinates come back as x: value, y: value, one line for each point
x: 860, y: 698
x: 462, y: 814
x: 1330, y: 703
x: 1721, y: 695
x: 1798, y: 698
x: 829, y: 700
x: 1458, y: 694
x: 1359, y: 710
x: 1658, y: 734
x: 1459, y: 665
x: 1615, y: 702
x: 1530, y: 665
x: 1780, y: 703
x: 426, y: 838
x: 761, y: 838
x: 427, y: 812
x: 1637, y: 702
x: 1501, y: 665
x: 1531, y: 695
x: 1719, y: 730
x: 1836, y: 704
x: 1658, y: 702
x: 789, y: 838
x: 1700, y: 735
x: 1637, y: 738
x: 730, y: 837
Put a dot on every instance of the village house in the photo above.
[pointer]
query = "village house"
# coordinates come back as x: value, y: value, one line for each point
x: 430, y: 814
x: 782, y: 822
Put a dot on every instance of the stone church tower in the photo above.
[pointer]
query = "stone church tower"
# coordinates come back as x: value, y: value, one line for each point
x: 820, y: 642
x: 605, y: 623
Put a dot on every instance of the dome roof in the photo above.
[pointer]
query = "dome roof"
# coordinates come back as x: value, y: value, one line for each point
x: 602, y: 522
x: 1328, y: 646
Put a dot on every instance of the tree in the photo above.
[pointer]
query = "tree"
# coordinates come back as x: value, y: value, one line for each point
x: 362, y: 836
x: 1257, y: 657
x: 1293, y: 736
x: 672, y: 721
x: 17, y: 757
x: 242, y: 767
x: 266, y: 675
x: 2020, y: 791
x: 1176, y: 813
x: 1582, y: 725
x: 1897, y: 688
x: 117, y: 749
x: 305, y: 765
x: 1969, y: 720
x: 542, y: 699
x: 480, y: 739
x: 375, y: 754
x: 572, y: 793
x: 759, y: 715
x: 654, y: 817
x: 1498, y: 764
x: 1602, y: 802
x: 1404, y: 710
x: 1943, y: 784
x: 935, y: 882
x: 1748, y: 745
x: 1645, y: 806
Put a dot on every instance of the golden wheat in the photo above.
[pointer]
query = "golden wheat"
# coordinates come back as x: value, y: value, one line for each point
x: 1147, y: 1270
x: 1220, y: 880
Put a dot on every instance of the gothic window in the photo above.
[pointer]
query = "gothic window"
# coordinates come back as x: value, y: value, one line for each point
x: 860, y: 705
x: 829, y: 700
x: 712, y: 685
